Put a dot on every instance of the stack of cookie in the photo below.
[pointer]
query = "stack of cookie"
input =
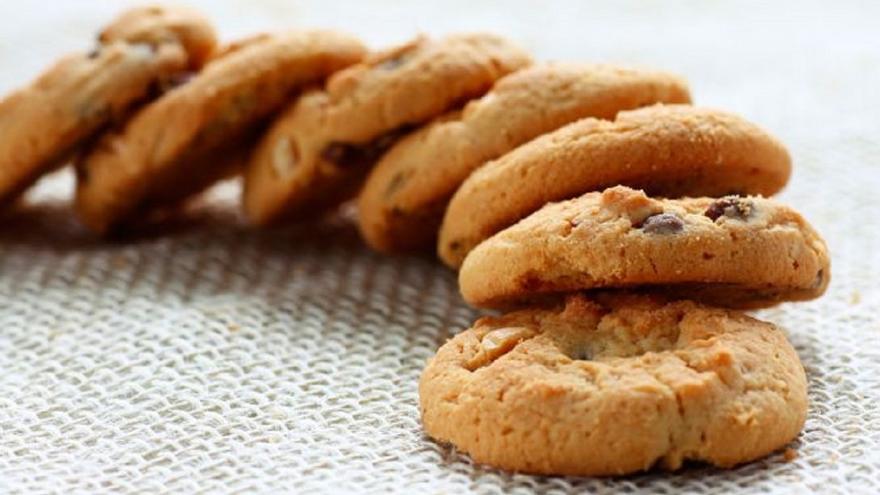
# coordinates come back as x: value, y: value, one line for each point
x: 624, y: 352
x: 626, y: 348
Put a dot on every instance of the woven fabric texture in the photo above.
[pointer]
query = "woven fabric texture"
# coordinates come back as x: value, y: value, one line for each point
x: 210, y: 358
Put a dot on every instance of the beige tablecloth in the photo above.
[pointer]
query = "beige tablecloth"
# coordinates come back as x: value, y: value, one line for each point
x: 215, y: 359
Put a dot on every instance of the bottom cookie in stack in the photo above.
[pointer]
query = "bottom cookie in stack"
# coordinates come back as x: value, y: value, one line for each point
x: 642, y: 372
x: 615, y: 384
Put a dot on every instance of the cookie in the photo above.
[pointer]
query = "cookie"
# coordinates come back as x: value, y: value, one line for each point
x: 735, y: 251
x: 317, y: 154
x: 672, y: 150
x: 402, y: 202
x: 613, y: 386
x: 190, y: 137
x: 44, y: 124
x: 157, y: 25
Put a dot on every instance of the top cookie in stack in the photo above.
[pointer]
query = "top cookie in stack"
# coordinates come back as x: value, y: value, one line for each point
x: 735, y: 251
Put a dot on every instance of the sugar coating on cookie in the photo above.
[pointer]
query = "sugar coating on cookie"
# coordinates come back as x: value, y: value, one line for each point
x: 402, y: 202
x: 201, y: 131
x: 615, y: 385
x: 734, y: 251
x: 140, y: 53
x: 668, y: 150
x: 318, y: 152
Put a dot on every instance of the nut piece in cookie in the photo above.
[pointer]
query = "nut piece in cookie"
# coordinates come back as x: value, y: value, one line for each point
x: 732, y: 252
x: 667, y: 150
x: 42, y: 125
x: 317, y: 153
x: 155, y: 25
x: 615, y: 385
x: 402, y: 202
x: 193, y: 135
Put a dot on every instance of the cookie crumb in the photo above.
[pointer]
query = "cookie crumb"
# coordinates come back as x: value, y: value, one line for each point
x: 233, y: 327
x: 789, y: 455
x: 855, y: 297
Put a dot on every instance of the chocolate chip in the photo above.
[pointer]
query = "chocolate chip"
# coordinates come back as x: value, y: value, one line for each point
x: 581, y: 354
x: 733, y: 207
x: 362, y: 155
x: 161, y: 86
x: 662, y: 223
x: 385, y: 141
x: 531, y: 283
x: 341, y: 153
x: 95, y: 53
x: 178, y: 80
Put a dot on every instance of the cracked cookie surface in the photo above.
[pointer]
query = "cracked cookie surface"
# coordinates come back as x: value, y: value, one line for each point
x: 668, y: 150
x: 734, y: 251
x: 44, y: 124
x: 402, y: 202
x: 613, y: 385
x: 198, y: 132
x: 317, y: 154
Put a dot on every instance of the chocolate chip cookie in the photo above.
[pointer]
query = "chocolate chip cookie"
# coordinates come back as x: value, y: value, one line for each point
x: 403, y: 200
x: 194, y: 134
x: 615, y: 385
x: 157, y: 25
x: 734, y: 251
x: 317, y: 154
x: 141, y: 52
x: 668, y: 150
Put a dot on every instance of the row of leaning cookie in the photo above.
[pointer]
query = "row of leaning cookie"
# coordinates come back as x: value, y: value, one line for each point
x: 175, y: 113
x: 158, y: 112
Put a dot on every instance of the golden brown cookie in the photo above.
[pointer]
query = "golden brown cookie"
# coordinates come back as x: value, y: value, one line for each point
x: 156, y: 25
x: 735, y: 251
x: 402, y: 202
x: 613, y: 386
x: 188, y: 139
x: 45, y: 123
x: 317, y: 154
x: 671, y: 150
